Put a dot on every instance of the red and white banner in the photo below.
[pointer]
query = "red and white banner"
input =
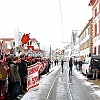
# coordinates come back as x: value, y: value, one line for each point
x: 42, y: 66
x: 33, y: 75
x: 32, y: 79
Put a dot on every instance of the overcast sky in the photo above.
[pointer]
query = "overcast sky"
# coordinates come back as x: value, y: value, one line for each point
x: 46, y: 20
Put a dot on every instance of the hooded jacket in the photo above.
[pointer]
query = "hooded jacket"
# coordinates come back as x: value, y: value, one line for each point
x: 14, y: 72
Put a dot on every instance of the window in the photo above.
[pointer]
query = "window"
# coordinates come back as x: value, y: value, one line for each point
x: 98, y: 49
x: 88, y: 30
x: 99, y: 25
x: 28, y: 43
x: 95, y: 11
x: 95, y: 29
x: 99, y: 7
x: 13, y: 43
x: 84, y: 34
x: 95, y: 50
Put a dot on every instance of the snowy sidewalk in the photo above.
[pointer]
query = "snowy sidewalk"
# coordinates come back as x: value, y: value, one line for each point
x: 45, y: 83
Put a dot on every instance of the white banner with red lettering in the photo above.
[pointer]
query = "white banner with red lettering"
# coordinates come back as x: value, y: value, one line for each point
x: 33, y: 79
x: 33, y: 75
x: 42, y: 66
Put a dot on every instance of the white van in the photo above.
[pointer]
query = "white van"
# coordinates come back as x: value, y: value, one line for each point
x: 87, y: 66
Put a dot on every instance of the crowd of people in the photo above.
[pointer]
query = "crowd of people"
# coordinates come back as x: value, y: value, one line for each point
x: 77, y: 64
x: 15, y: 82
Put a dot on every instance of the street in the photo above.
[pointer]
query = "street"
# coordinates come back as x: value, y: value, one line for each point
x: 60, y: 86
x: 71, y: 88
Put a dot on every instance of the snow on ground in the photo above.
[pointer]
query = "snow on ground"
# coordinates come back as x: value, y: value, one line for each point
x: 81, y: 76
x: 43, y: 80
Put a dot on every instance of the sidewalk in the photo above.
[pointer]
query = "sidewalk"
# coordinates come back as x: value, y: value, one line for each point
x: 45, y: 83
x: 96, y: 82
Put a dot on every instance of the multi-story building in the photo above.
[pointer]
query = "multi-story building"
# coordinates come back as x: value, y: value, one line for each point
x: 86, y: 41
x: 67, y: 52
x: 96, y: 25
x: 77, y: 47
x: 57, y: 54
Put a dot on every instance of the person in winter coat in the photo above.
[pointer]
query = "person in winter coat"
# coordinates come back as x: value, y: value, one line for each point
x: 55, y: 62
x: 96, y: 64
x: 23, y: 73
x: 76, y: 63
x: 14, y: 77
x: 34, y: 60
x: 80, y: 65
x: 9, y: 59
x: 62, y: 63
x: 49, y: 64
x: 70, y: 66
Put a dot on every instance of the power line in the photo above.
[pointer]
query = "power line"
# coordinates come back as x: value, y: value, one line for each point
x: 61, y: 19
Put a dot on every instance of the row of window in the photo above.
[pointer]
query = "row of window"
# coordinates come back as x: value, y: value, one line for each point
x: 97, y: 28
x: 97, y: 10
x: 85, y: 34
x: 28, y: 43
x: 84, y: 45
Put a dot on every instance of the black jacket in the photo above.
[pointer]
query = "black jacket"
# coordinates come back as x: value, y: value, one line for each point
x: 62, y: 62
x: 70, y: 63
x: 23, y: 67
x: 96, y: 64
x: 14, y: 73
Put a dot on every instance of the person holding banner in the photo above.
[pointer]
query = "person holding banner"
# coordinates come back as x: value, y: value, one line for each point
x: 34, y: 60
x: 49, y: 64
x: 3, y: 81
x: 23, y: 68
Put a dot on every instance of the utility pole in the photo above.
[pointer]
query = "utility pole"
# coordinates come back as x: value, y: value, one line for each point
x: 16, y: 33
x: 50, y: 53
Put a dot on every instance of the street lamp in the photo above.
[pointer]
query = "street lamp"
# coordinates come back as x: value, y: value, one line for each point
x: 50, y: 53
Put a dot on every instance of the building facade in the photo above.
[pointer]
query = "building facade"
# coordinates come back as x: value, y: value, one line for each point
x: 86, y: 41
x: 96, y: 25
x: 9, y: 43
x: 67, y: 52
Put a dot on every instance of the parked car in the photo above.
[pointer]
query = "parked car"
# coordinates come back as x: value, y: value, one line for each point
x: 87, y: 66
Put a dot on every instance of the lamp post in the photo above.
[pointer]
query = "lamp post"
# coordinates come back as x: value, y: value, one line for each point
x: 50, y: 53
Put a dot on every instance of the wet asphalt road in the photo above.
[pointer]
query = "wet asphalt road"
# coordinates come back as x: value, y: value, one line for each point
x: 71, y: 88
x: 60, y: 88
